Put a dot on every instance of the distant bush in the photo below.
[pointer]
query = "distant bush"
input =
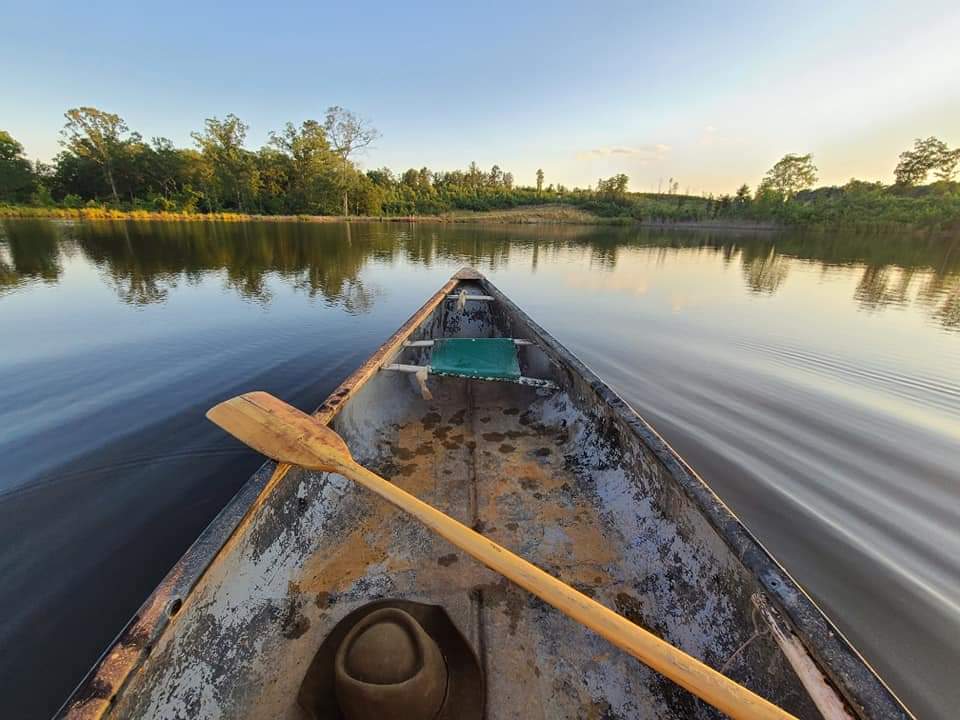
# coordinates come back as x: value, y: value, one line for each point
x: 162, y: 204
x: 42, y: 197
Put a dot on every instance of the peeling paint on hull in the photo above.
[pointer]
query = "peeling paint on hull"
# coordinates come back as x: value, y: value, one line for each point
x: 572, y: 480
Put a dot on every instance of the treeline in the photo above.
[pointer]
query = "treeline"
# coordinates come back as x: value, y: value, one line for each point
x: 303, y: 169
x: 310, y: 169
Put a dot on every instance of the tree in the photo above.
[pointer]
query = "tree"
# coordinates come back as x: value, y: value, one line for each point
x: 163, y: 166
x: 790, y: 175
x: 743, y: 195
x: 614, y: 187
x: 539, y: 181
x: 947, y: 167
x: 383, y: 177
x: 229, y: 169
x: 347, y: 133
x: 76, y: 175
x: 98, y: 136
x: 171, y: 171
x: 311, y: 160
x: 17, y: 180
x: 916, y: 164
x: 926, y: 155
x: 475, y: 176
x: 425, y: 179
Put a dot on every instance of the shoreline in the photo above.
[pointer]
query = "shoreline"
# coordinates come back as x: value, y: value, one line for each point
x: 529, y: 215
x: 533, y: 215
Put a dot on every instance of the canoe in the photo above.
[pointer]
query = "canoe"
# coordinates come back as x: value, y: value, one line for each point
x: 476, y: 409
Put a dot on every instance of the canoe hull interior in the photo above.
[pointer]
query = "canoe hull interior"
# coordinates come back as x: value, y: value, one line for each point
x: 570, y: 479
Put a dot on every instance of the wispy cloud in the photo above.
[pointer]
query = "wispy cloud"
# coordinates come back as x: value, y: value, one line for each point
x: 714, y: 136
x: 643, y: 153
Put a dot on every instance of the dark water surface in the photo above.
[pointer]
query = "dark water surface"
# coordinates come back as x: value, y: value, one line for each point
x: 813, y: 381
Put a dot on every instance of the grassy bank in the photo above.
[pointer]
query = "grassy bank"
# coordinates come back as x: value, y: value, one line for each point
x: 545, y: 214
x: 532, y: 215
x: 876, y: 213
x: 30, y: 211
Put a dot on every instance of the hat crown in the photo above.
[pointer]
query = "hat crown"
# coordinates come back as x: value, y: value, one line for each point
x: 389, y: 667
x: 384, y: 653
x: 446, y: 685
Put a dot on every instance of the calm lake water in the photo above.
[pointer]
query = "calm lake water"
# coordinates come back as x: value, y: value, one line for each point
x: 814, y: 382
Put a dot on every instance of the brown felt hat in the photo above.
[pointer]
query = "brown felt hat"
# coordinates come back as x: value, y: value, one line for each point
x: 394, y: 659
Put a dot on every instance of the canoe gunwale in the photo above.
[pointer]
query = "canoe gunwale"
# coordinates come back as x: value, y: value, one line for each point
x: 848, y: 671
x: 851, y: 674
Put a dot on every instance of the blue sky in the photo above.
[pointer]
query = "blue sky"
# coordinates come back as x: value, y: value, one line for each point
x: 711, y: 95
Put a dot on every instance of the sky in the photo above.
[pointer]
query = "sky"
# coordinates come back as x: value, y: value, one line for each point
x: 709, y: 94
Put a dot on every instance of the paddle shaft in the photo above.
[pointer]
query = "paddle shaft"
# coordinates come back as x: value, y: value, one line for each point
x: 688, y: 672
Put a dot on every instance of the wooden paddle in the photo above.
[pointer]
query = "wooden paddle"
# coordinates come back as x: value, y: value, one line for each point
x: 287, y: 435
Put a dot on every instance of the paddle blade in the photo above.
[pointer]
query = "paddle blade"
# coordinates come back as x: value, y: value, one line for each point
x: 281, y: 432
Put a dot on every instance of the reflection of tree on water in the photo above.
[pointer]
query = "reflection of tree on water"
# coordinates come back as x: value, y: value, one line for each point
x: 136, y: 286
x: 880, y: 286
x: 939, y: 294
x: 765, y: 273
x: 29, y: 250
x: 143, y: 261
x: 942, y: 296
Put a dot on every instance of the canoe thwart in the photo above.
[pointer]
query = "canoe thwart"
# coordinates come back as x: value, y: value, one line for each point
x: 521, y: 380
x: 481, y: 298
x: 429, y: 343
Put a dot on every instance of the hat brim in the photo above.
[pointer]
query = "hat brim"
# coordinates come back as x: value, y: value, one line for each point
x: 465, y: 695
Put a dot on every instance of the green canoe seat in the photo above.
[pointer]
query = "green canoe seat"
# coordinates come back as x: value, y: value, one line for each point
x: 487, y: 358
x: 476, y: 358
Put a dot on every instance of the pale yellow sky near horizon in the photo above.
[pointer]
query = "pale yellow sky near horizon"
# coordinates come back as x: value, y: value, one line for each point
x: 855, y: 113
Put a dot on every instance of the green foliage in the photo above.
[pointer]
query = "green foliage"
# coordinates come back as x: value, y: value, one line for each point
x: 614, y: 187
x: 98, y: 137
x: 927, y: 155
x: 228, y: 171
x: 300, y: 168
x: 163, y: 204
x: 42, y: 197
x: 791, y: 174
x: 17, y: 180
